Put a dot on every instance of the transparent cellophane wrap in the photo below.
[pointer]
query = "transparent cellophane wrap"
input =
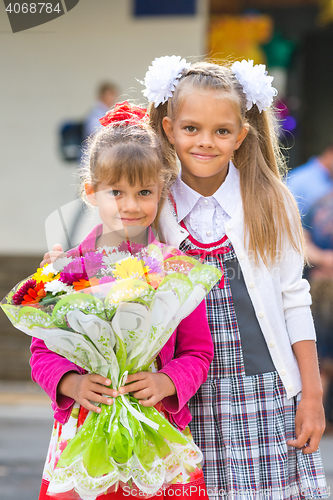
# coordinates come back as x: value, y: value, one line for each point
x: 116, y: 328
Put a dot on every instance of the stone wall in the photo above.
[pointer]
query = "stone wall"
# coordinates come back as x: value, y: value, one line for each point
x: 14, y: 345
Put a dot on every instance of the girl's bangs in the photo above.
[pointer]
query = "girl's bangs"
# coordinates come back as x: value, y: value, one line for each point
x: 136, y: 165
x: 204, y: 84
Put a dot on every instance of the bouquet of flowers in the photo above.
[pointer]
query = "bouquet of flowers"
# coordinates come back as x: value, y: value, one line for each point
x: 110, y: 311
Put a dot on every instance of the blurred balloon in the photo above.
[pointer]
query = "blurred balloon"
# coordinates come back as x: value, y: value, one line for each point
x: 279, y: 51
x: 326, y: 12
x: 240, y: 37
x: 286, y: 121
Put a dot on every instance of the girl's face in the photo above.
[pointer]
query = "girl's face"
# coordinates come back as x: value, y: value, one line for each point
x: 124, y: 209
x: 205, y: 134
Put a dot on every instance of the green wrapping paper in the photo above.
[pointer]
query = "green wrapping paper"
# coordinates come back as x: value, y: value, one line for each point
x: 112, y: 316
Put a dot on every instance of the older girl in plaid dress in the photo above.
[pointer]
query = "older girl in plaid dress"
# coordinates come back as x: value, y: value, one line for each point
x: 259, y: 417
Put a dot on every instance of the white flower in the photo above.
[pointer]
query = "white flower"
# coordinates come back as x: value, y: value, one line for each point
x: 113, y: 257
x: 105, y: 249
x: 60, y: 263
x: 57, y: 286
x: 162, y: 78
x: 256, y: 83
x: 49, y: 269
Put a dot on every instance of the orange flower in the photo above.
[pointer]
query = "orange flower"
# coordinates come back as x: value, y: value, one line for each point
x: 82, y: 284
x: 34, y: 294
x: 154, y: 279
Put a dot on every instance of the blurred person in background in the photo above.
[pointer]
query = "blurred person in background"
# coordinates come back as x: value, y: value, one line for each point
x: 318, y: 230
x: 73, y: 132
x: 312, y: 186
x: 107, y: 94
x: 312, y: 180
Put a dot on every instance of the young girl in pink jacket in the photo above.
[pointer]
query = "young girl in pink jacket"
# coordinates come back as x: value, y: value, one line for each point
x: 126, y: 181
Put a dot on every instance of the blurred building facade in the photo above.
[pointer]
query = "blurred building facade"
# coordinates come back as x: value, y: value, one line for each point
x: 294, y: 38
x: 50, y: 74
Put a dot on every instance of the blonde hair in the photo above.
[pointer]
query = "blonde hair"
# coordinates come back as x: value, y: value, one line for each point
x: 270, y: 211
x: 124, y: 151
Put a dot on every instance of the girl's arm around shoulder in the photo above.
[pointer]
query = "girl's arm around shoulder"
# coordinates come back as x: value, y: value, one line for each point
x: 194, y: 352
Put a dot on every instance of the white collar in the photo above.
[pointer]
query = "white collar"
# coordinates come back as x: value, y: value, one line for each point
x: 227, y: 195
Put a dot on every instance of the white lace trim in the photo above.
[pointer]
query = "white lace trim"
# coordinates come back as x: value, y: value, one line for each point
x: 75, y: 477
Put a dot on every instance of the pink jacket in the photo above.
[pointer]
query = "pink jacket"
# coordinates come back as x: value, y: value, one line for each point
x: 185, y: 358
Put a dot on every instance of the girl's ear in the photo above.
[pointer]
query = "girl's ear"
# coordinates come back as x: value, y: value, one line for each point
x: 167, y: 125
x: 90, y: 192
x: 242, y: 134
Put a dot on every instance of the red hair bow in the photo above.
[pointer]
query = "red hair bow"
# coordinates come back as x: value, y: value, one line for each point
x: 125, y: 112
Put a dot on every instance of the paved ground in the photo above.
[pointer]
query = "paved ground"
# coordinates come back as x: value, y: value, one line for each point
x: 25, y: 429
x: 23, y: 440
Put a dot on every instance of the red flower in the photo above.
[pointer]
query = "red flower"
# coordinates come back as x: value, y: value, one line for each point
x: 34, y: 294
x: 124, y: 112
x: 21, y: 292
x: 63, y: 444
x: 83, y: 413
x: 197, y: 474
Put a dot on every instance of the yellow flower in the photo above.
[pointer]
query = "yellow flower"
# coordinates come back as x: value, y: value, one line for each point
x: 129, y: 268
x: 45, y: 278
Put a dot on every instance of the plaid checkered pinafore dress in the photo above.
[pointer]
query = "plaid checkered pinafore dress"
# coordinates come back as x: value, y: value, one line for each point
x: 242, y: 422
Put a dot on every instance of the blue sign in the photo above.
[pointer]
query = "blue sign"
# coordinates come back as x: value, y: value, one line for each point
x: 164, y: 7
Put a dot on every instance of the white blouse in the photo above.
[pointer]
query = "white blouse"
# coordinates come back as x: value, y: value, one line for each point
x: 206, y: 217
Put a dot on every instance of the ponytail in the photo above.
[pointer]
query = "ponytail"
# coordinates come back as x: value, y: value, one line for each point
x: 270, y: 211
x: 170, y: 158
